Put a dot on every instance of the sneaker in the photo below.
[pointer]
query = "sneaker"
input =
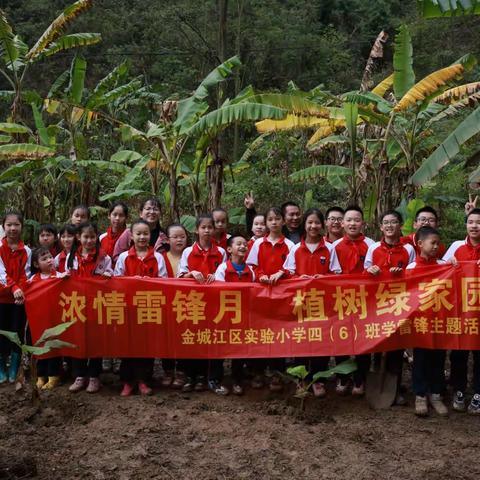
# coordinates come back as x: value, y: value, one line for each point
x: 358, y: 391
x: 144, y: 389
x: 178, y: 381
x: 216, y: 387
x: 474, y: 407
x: 458, y: 403
x: 188, y: 385
x: 127, y: 390
x: 421, y: 406
x: 319, y: 390
x: 79, y: 384
x: 341, y: 388
x: 167, y: 379
x: 52, y: 383
x: 41, y: 381
x: 438, y: 405
x: 276, y: 384
x: 257, y: 382
x: 93, y: 385
x: 200, y: 384
x: 107, y: 364
x: 237, y: 389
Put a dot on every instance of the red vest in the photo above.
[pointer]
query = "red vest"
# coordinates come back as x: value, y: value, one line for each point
x: 390, y: 256
x: 351, y: 254
x: 271, y: 257
x: 308, y: 263
x: 143, y: 267
x: 467, y: 251
x: 88, y: 264
x: 109, y: 240
x: 15, y: 262
x: 231, y: 275
x: 204, y: 261
x: 168, y: 265
x: 222, y: 242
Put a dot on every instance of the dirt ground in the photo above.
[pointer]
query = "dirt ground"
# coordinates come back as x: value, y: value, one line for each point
x: 202, y: 436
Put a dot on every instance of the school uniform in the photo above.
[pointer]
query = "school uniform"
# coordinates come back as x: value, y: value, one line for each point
x: 410, y: 239
x: 47, y: 367
x: 351, y: 255
x: 428, y: 373
x: 60, y: 261
x: 129, y: 264
x: 86, y: 267
x: 230, y: 272
x: 222, y: 241
x: 463, y: 250
x: 195, y: 258
x: 14, y: 272
x: 109, y: 239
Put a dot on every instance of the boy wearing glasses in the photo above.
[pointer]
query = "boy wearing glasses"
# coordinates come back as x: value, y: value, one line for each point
x: 391, y: 255
x: 425, y: 217
x: 333, y: 224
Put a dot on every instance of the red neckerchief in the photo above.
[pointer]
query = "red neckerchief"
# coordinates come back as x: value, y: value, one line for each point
x: 425, y: 262
x: 474, y: 249
x: 15, y: 270
x: 146, y: 266
x: 168, y: 265
x: 62, y: 259
x: 109, y: 240
x: 87, y: 265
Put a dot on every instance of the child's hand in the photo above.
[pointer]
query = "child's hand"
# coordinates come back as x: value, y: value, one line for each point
x: 304, y: 277
x: 276, y: 277
x: 318, y: 275
x: 249, y: 201
x: 65, y: 275
x: 264, y: 279
x: 396, y: 270
x: 478, y: 263
x: 453, y: 261
x: 198, y: 276
x: 374, y: 270
x: 19, y: 297
x: 471, y: 204
x: 210, y: 278
x: 106, y: 274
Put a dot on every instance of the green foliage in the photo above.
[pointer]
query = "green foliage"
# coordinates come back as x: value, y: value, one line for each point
x: 404, y: 77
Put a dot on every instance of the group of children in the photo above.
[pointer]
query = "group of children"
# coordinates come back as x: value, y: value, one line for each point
x: 284, y: 244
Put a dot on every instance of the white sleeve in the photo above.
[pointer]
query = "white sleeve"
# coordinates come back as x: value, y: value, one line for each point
x: 102, y: 236
x: 105, y: 266
x: 411, y: 253
x: 183, y: 267
x: 29, y: 262
x: 220, y: 272
x: 450, y: 253
x: 290, y: 264
x: 411, y: 266
x: 120, y: 265
x: 224, y: 254
x: 335, y: 266
x: 74, y: 264
x: 3, y: 272
x: 252, y: 258
x: 162, y: 268
x: 290, y: 244
x: 56, y: 261
x: 369, y: 256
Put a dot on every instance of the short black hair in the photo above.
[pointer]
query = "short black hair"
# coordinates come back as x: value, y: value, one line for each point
x: 426, y: 209
x: 475, y: 211
x: 334, y: 209
x: 276, y: 211
x: 395, y: 213
x: 283, y: 206
x: 424, y: 232
x: 234, y: 236
x: 354, y: 208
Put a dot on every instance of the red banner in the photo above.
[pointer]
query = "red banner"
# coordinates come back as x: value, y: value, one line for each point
x: 435, y: 307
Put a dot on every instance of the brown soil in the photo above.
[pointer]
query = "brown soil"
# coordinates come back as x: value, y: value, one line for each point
x: 202, y: 436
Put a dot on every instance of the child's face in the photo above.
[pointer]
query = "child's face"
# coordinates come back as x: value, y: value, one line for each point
x: 425, y: 219
x: 334, y: 222
x: 46, y: 239
x: 313, y: 226
x: 67, y: 240
x: 293, y: 217
x: 177, y: 238
x: 391, y: 227
x: 220, y: 221
x: 205, y: 230
x: 88, y: 239
x: 150, y: 213
x: 274, y: 222
x: 45, y: 263
x: 353, y: 223
x: 258, y: 228
x: 141, y: 236
x: 79, y: 216
x: 473, y: 227
x: 117, y: 217
x: 429, y: 246
x: 12, y: 227
x: 238, y: 248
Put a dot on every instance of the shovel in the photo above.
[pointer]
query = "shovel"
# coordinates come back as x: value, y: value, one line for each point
x: 381, y: 387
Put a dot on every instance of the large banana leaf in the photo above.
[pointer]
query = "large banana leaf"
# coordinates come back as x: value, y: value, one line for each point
x: 58, y: 84
x: 428, y: 86
x: 14, y: 128
x: 110, y: 81
x: 291, y: 122
x: 242, y: 112
x: 293, y: 103
x: 74, y: 40
x: 403, y: 74
x: 192, y: 107
x: 117, y: 93
x: 457, y: 107
x: 447, y: 150
x: 320, y: 171
x: 77, y: 79
x: 57, y: 27
x: 448, y: 8
x: 22, y: 151
x: 383, y: 86
x: 456, y: 93
x: 12, y: 48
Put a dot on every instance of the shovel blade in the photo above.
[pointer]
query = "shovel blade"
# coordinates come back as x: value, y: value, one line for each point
x: 381, y: 388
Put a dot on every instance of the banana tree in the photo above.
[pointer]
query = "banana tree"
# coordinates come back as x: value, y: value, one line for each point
x: 448, y: 8
x: 16, y: 57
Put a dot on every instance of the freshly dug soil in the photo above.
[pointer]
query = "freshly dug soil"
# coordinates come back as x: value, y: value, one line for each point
x: 203, y: 436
